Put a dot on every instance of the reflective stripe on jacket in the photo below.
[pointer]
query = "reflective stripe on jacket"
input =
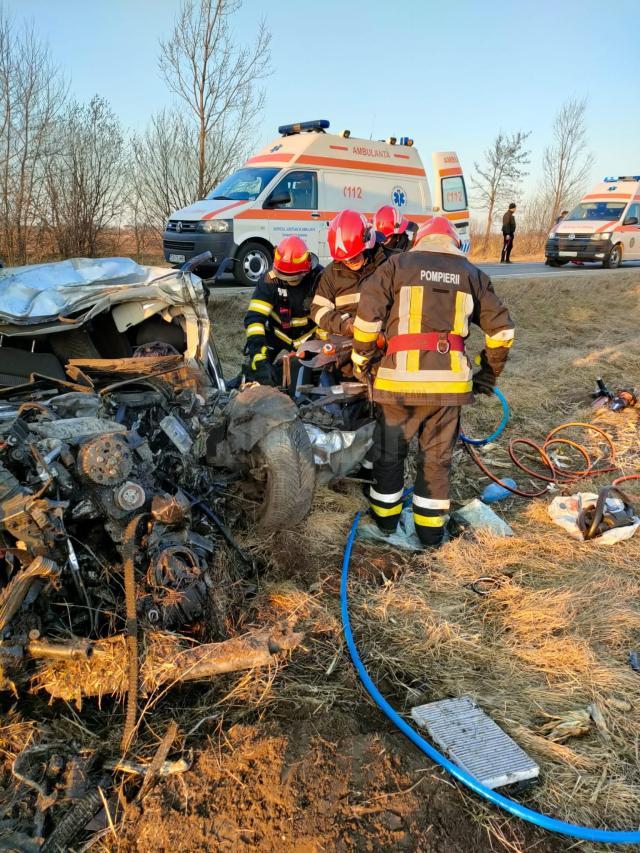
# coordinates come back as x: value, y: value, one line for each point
x: 424, y: 291
x: 278, y: 315
x: 338, y: 293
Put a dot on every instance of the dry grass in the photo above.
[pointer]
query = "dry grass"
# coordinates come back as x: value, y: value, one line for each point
x: 554, y: 635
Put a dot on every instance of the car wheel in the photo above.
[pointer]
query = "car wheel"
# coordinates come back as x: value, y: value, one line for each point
x: 285, y: 459
x: 614, y: 258
x: 253, y: 261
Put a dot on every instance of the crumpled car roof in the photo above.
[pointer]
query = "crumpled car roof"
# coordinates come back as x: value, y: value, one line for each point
x: 40, y: 292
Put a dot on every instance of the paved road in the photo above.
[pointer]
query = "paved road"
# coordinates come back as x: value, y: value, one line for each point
x: 539, y: 269
x: 513, y: 270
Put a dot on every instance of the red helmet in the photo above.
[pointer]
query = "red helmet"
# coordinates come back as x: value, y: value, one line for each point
x: 389, y: 221
x: 292, y: 257
x: 349, y: 235
x: 437, y: 225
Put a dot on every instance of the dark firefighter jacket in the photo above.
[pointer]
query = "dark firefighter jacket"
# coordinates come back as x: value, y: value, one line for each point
x: 338, y: 292
x: 509, y: 223
x: 426, y: 291
x: 278, y: 316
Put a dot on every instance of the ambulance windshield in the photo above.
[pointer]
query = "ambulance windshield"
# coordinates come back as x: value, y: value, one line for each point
x: 597, y: 210
x: 244, y: 185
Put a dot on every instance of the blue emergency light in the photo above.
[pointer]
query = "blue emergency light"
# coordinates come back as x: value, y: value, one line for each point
x: 622, y: 178
x: 406, y: 140
x: 319, y: 125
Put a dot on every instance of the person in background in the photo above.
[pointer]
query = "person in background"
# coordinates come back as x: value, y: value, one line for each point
x: 508, y: 233
x: 278, y: 317
x: 563, y: 215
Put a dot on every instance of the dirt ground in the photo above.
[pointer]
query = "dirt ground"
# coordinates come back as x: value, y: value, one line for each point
x: 299, y: 760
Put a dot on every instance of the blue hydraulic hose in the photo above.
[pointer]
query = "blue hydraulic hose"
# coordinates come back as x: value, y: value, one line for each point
x: 479, y: 442
x: 583, y: 832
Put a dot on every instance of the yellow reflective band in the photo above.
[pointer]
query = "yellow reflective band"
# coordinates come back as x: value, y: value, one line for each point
x: 385, y: 513
x: 358, y: 359
x: 422, y: 387
x: 303, y: 338
x: 459, y: 318
x: 255, y: 329
x: 492, y: 343
x: 415, y: 325
x: 301, y: 258
x: 300, y: 321
x: 260, y: 306
x: 364, y: 337
x: 282, y: 336
x: 428, y: 520
x: 321, y: 334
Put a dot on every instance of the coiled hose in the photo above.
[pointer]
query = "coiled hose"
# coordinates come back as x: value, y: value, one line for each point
x: 554, y: 473
x: 585, y: 833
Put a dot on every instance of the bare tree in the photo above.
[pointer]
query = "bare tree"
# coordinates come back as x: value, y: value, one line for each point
x: 204, y: 65
x: 163, y: 165
x: 567, y: 161
x: 498, y: 177
x: 32, y: 94
x: 85, y: 178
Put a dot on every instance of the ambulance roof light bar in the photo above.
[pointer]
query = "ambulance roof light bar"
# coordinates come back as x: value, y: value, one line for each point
x: 318, y: 125
x: 622, y: 178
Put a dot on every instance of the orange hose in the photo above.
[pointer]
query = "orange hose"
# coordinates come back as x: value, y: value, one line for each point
x: 555, y: 474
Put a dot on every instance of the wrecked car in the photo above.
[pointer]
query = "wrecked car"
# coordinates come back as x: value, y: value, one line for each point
x: 121, y: 451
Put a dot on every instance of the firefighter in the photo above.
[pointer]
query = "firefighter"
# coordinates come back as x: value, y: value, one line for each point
x: 278, y: 317
x: 352, y: 244
x: 425, y: 300
x: 396, y: 231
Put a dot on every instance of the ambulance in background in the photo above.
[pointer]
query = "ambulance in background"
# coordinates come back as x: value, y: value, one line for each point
x: 604, y: 226
x: 297, y: 184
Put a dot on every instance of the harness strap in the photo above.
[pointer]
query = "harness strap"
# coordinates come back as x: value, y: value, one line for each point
x: 442, y: 342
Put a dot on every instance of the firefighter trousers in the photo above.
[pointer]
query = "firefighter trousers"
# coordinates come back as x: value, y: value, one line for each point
x: 437, y: 428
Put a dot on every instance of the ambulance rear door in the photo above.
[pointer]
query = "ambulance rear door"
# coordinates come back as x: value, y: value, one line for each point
x: 450, y: 193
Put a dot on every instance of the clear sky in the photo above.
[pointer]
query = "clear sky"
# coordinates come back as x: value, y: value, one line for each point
x: 449, y: 74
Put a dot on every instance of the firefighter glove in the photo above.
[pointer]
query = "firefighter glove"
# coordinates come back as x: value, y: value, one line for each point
x: 484, y: 381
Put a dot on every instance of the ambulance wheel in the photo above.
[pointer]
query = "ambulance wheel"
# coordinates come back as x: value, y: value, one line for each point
x: 253, y: 261
x: 614, y: 258
x: 286, y: 459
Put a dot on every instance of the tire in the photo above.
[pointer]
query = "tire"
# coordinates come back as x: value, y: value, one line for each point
x: 286, y: 456
x: 614, y: 258
x: 252, y: 262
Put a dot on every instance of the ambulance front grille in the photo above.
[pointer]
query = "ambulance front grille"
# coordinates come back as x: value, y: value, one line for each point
x: 179, y: 245
x: 172, y: 225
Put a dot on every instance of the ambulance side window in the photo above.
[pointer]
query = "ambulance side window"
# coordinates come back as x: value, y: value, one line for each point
x: 634, y: 211
x: 302, y: 189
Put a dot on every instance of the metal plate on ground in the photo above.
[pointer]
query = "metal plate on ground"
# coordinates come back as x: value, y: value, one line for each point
x: 474, y: 742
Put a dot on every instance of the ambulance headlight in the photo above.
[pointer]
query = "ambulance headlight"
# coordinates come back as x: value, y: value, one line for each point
x: 210, y: 226
x: 605, y: 236
x: 552, y: 234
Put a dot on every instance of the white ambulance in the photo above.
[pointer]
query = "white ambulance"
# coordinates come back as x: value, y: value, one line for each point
x: 604, y: 226
x: 298, y: 183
